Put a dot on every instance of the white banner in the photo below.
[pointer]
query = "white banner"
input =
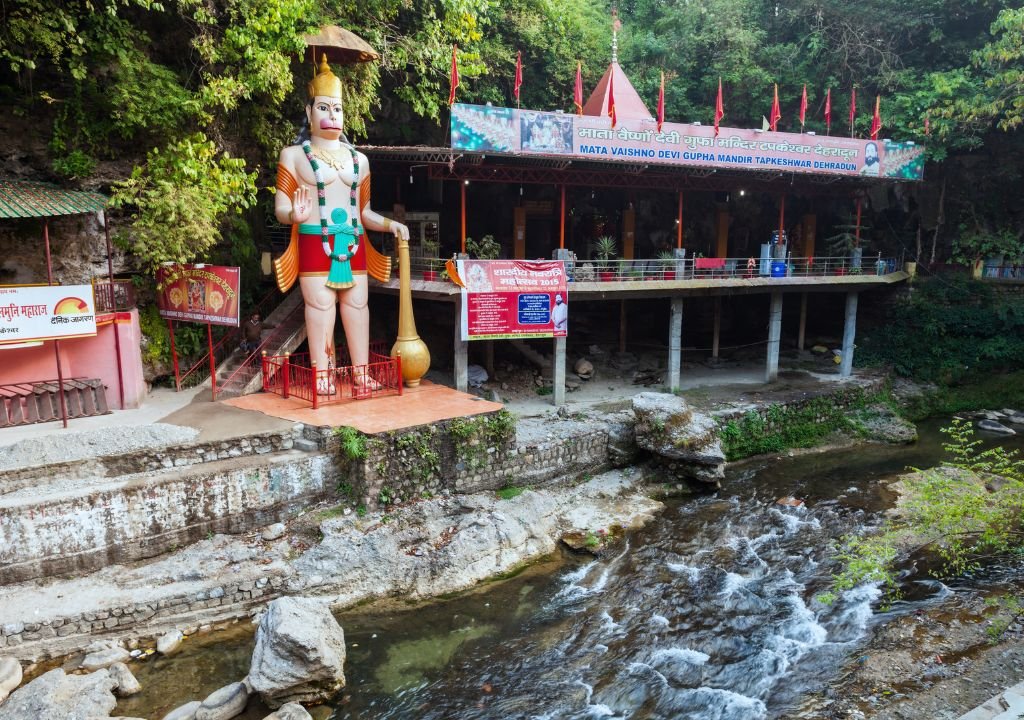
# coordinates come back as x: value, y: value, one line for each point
x: 46, y: 312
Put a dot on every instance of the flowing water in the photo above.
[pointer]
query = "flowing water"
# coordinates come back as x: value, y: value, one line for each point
x: 708, y: 613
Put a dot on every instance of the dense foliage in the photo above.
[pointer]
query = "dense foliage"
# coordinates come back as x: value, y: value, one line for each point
x: 950, y: 330
x: 136, y: 80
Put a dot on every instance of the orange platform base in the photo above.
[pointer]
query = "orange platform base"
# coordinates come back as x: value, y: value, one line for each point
x: 415, y: 406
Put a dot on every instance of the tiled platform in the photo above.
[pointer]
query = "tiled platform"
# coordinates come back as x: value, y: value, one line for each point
x: 416, y: 406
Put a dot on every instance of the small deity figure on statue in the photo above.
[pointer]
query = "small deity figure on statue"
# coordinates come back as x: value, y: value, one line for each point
x: 323, y: 192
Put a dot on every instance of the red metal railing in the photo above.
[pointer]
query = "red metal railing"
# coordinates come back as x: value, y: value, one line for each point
x: 199, y: 371
x: 111, y: 297
x: 296, y: 376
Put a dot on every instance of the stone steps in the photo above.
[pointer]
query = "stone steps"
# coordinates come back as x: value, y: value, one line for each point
x: 65, y: 526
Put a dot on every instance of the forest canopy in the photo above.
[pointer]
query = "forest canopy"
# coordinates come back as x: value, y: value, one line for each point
x: 146, y: 98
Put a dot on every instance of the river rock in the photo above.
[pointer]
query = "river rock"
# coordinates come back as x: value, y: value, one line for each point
x: 299, y: 654
x: 104, y: 658
x: 667, y: 427
x: 126, y: 683
x: 584, y: 369
x: 57, y: 695
x: 169, y: 642
x: 225, y: 703
x: 273, y: 532
x: 10, y: 676
x: 994, y: 426
x: 289, y: 711
x: 185, y: 712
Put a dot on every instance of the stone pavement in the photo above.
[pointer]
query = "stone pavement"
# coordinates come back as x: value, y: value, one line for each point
x: 1008, y: 705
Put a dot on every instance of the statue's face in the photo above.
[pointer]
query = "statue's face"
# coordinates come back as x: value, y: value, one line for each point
x: 325, y: 117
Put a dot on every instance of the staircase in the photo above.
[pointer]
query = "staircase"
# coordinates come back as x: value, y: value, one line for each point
x: 39, y: 401
x: 241, y: 372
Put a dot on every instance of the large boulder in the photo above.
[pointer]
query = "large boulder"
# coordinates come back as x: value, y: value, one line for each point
x: 299, y: 654
x: 68, y: 697
x: 686, y: 441
x: 10, y: 676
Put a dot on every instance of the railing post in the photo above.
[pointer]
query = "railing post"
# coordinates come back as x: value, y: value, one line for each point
x: 263, y: 369
x: 316, y: 387
x: 286, y: 368
x: 398, y: 369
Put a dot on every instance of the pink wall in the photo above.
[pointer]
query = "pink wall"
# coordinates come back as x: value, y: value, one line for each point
x: 91, y: 357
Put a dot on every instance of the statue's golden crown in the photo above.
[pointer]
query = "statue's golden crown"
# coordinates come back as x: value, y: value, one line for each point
x: 326, y: 83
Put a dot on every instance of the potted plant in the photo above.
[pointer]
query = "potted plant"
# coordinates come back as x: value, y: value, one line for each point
x: 604, y: 249
x: 668, y: 264
x: 430, y: 249
x: 487, y: 248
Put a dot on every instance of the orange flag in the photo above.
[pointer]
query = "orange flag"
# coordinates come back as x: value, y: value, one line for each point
x: 803, y: 108
x: 577, y: 95
x: 518, y: 82
x: 719, y: 107
x: 661, y: 103
x: 454, y: 76
x: 828, y: 111
x: 853, y: 108
x: 876, y: 121
x: 611, y: 98
x: 776, y: 115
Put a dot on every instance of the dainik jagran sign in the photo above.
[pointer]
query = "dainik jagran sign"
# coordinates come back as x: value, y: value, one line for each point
x: 30, y: 313
x: 505, y: 299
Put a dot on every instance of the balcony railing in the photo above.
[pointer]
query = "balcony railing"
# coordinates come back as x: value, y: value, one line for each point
x: 113, y: 297
x: 691, y: 269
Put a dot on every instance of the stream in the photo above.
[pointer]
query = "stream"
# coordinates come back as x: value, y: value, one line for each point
x: 709, y: 613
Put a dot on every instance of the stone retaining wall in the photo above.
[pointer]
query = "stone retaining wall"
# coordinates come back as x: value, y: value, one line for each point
x: 149, y: 460
x: 138, y: 516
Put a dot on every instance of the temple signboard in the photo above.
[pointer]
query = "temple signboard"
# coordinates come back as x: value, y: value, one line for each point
x: 198, y: 293
x: 505, y: 299
x: 31, y: 313
x: 488, y: 129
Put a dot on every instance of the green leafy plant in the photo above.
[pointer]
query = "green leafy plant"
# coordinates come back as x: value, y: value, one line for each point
x: 604, y: 248
x: 386, y: 496
x: 511, y: 491
x: 361, y: 510
x: 351, y: 443
x: 486, y: 248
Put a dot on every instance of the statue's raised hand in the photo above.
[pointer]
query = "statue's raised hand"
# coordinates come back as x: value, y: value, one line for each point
x: 302, y: 205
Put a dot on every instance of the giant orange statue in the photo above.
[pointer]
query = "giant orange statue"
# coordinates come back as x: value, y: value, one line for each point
x: 323, y: 192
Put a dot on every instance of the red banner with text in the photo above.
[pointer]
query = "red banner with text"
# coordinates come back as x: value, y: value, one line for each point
x: 198, y: 293
x: 513, y: 299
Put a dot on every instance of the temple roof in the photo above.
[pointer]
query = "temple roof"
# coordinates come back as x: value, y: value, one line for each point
x: 628, y: 105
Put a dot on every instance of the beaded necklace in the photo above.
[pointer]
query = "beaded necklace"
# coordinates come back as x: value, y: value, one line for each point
x: 340, y: 275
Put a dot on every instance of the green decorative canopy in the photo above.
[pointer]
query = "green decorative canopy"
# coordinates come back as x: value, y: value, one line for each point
x: 23, y: 199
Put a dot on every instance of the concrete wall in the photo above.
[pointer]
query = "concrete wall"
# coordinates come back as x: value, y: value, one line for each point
x: 89, y: 357
x: 55, y: 529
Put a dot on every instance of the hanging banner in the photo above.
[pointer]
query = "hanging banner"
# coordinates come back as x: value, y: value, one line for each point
x: 46, y: 312
x: 198, y: 293
x: 513, y: 299
x: 497, y: 130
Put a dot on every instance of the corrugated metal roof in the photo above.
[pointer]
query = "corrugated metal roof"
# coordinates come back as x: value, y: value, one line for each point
x: 23, y: 199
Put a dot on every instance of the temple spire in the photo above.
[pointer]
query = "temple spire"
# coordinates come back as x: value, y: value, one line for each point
x: 616, y: 26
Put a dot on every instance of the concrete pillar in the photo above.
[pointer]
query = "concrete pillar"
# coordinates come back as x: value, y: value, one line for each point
x: 849, y: 332
x: 675, y: 342
x: 722, y: 231
x: 628, y: 233
x: 519, y: 233
x: 558, y: 373
x: 717, y: 327
x: 774, y: 337
x: 803, y: 322
x: 461, y: 351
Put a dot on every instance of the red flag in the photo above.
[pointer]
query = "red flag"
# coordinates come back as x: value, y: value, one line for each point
x: 773, y: 121
x: 927, y: 126
x: 876, y: 121
x: 719, y: 107
x: 519, y: 76
x: 454, y: 76
x: 611, y: 97
x: 661, y: 103
x: 828, y: 111
x: 577, y: 95
x: 803, y: 108
x: 853, y: 108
